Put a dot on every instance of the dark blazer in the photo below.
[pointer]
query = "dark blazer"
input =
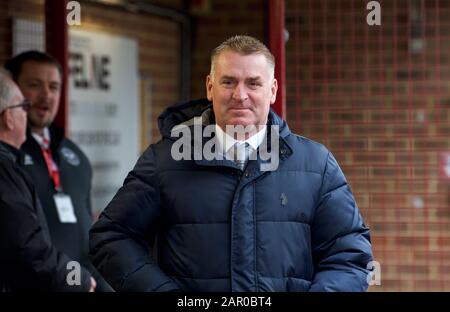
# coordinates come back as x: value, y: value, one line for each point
x: 76, y: 176
x: 28, y: 258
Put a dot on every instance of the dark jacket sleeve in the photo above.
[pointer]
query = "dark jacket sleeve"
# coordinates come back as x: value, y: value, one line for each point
x: 120, y: 241
x: 33, y: 262
x: 340, y: 240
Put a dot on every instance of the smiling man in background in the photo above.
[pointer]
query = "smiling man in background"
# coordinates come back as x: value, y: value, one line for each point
x: 61, y: 171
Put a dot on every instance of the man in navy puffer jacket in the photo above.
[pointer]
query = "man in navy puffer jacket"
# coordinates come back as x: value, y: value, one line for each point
x: 279, y: 217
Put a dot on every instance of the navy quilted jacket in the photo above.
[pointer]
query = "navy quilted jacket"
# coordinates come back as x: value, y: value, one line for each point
x: 217, y: 228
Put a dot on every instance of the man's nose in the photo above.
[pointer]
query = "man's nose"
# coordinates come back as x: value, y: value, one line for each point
x: 240, y: 93
x: 45, y: 92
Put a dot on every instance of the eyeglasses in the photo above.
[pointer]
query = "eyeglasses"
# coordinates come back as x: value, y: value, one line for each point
x: 25, y: 104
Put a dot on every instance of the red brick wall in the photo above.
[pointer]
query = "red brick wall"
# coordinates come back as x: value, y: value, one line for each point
x: 384, y: 112
x: 32, y: 9
x: 9, y: 9
x: 5, y: 37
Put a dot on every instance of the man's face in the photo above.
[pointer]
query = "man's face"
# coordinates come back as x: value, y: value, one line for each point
x: 40, y: 83
x: 241, y: 90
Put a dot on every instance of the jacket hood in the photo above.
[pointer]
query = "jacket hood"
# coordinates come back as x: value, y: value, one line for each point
x: 185, y: 111
x: 179, y: 113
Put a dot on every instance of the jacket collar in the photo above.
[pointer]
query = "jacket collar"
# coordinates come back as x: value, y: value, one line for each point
x: 10, y: 151
x: 274, y: 122
x: 56, y: 137
x: 183, y: 115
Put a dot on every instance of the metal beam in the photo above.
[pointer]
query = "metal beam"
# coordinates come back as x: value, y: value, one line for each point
x: 277, y: 47
x: 56, y: 41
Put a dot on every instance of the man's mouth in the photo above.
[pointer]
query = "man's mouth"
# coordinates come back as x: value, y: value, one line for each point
x: 42, y: 108
x: 238, y: 108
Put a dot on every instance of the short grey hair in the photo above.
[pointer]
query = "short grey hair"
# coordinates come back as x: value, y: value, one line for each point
x: 244, y: 45
x: 6, y: 90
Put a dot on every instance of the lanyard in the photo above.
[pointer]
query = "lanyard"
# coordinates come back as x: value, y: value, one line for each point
x: 52, y: 168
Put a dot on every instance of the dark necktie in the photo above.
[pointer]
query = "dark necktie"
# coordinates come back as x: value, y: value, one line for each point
x: 240, y: 154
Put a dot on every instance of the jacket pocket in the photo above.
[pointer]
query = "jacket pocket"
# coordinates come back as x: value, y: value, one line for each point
x: 297, y: 284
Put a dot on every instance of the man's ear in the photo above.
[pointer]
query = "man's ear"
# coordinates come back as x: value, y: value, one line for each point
x: 273, y: 91
x: 8, y: 119
x: 209, y: 87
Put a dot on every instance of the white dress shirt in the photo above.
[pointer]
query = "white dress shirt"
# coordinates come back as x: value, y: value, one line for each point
x: 236, y: 150
x: 43, y: 141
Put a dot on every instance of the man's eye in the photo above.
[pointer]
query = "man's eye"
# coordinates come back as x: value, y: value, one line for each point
x: 254, y: 84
